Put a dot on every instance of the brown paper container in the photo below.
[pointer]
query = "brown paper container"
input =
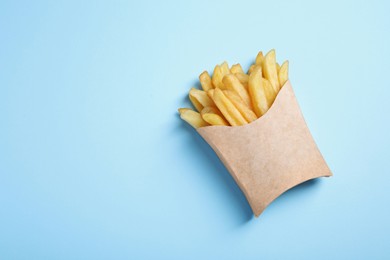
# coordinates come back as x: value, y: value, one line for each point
x: 270, y: 155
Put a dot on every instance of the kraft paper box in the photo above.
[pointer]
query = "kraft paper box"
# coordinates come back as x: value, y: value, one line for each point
x: 270, y: 155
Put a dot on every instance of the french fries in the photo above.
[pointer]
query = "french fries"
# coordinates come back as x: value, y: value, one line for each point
x: 283, y: 73
x: 257, y: 92
x: 231, y: 82
x: 259, y: 59
x: 270, y: 93
x: 205, y: 81
x: 225, y: 68
x: 231, y: 97
x: 251, y: 68
x: 219, y: 72
x: 216, y: 79
x: 243, y: 78
x: 200, y: 99
x: 236, y: 68
x: 210, y: 93
x: 245, y: 111
x: 270, y: 71
x: 230, y: 112
x: 213, y: 116
x: 192, y: 117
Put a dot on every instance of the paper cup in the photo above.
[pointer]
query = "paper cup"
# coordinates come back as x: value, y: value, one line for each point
x: 270, y: 155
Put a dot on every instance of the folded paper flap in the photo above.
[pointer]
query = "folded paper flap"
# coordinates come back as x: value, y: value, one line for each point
x: 271, y: 154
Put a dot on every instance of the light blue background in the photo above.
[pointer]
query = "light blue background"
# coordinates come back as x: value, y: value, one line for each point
x: 96, y: 164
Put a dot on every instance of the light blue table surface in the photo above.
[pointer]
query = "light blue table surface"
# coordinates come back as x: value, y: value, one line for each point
x: 96, y: 164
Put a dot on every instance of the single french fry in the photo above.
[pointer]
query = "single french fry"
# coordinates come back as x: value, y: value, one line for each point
x: 231, y: 82
x: 243, y: 78
x: 205, y: 81
x: 283, y: 73
x: 213, y: 116
x: 251, y: 68
x: 216, y: 79
x: 259, y: 59
x: 230, y: 112
x: 200, y: 97
x: 192, y: 117
x: 198, y: 106
x: 257, y: 93
x: 225, y: 68
x: 270, y: 72
x: 236, y: 68
x: 237, y: 101
x: 269, y: 92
